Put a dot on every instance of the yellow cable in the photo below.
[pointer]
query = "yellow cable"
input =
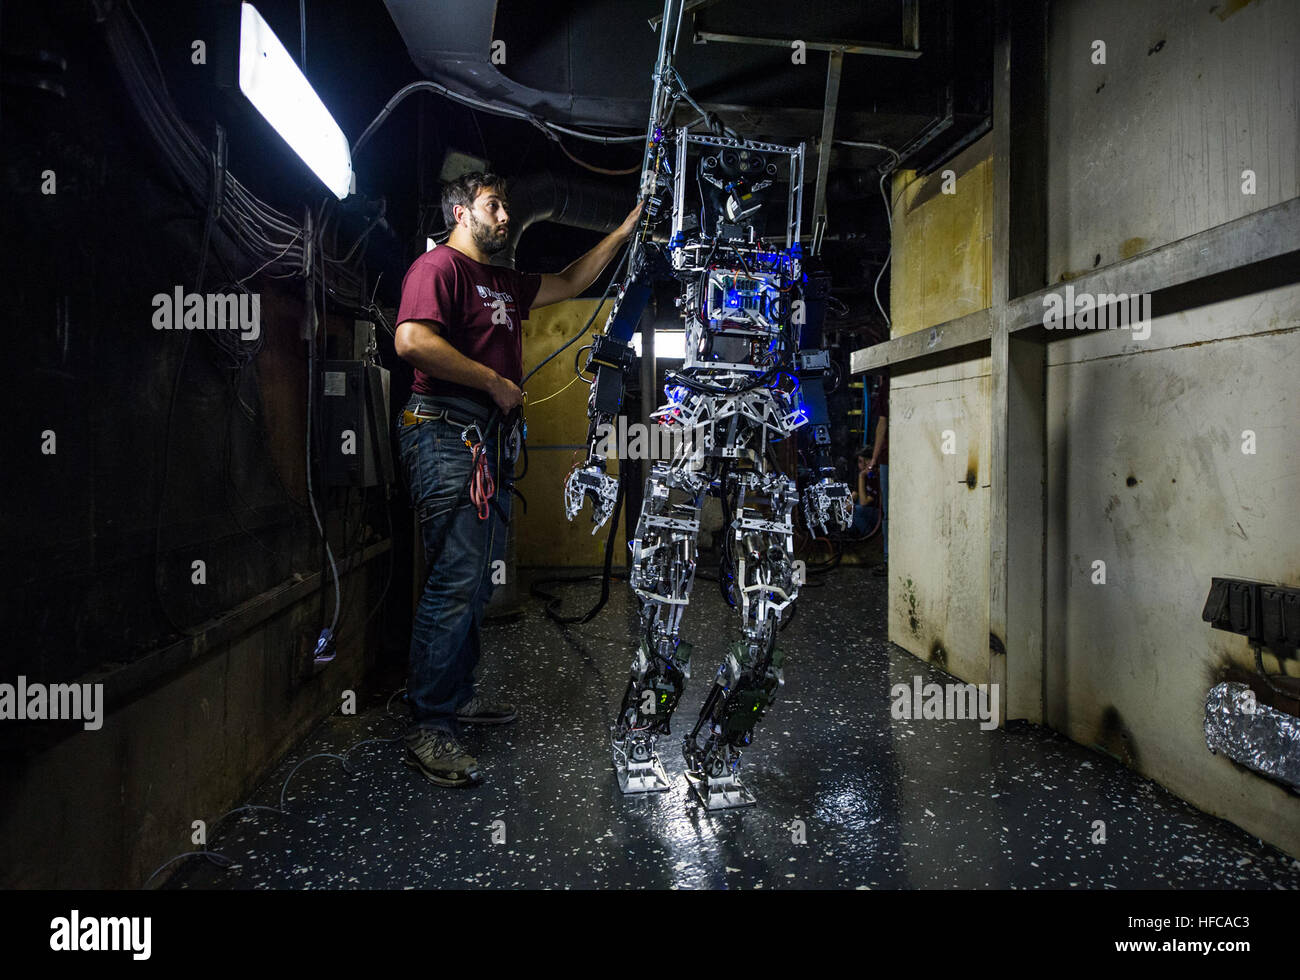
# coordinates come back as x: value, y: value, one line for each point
x: 530, y: 404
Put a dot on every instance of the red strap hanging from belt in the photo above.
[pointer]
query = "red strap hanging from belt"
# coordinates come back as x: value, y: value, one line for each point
x: 481, y: 485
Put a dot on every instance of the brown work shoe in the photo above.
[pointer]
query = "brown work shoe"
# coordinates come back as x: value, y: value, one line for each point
x: 441, y: 758
x: 480, y: 711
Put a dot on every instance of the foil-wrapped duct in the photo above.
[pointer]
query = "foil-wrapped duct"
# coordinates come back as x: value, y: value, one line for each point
x: 1257, y: 736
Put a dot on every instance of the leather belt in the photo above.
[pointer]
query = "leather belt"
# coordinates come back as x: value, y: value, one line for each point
x: 410, y: 417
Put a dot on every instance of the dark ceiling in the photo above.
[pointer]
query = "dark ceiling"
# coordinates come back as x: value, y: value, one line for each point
x: 590, y: 63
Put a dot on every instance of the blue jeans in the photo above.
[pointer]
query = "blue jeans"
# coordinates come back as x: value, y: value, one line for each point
x: 460, y: 550
x: 865, y: 515
x: 864, y: 519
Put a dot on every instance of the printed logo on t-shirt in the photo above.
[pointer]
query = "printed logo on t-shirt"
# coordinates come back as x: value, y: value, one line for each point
x: 496, y: 301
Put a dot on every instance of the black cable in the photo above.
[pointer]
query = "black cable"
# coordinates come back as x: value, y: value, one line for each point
x: 515, y: 477
x: 220, y: 860
x: 1264, y: 676
x: 552, y: 601
x: 761, y: 381
x: 830, y: 564
x: 627, y: 250
x: 365, y: 233
x: 218, y: 165
x: 225, y: 862
x: 577, y: 355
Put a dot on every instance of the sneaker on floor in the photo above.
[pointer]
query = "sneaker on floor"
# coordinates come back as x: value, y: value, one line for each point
x: 480, y: 711
x: 441, y: 758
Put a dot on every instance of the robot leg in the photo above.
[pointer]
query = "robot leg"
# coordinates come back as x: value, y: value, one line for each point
x: 747, y: 683
x: 662, y: 571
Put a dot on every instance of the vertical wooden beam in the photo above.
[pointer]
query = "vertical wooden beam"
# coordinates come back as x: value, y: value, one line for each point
x: 1018, y: 407
x: 999, y: 464
x: 1001, y: 154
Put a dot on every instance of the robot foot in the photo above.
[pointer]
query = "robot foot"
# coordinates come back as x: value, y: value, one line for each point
x: 720, y: 792
x: 637, y: 765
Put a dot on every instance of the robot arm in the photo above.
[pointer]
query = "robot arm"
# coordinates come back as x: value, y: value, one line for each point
x: 827, y: 502
x: 610, y: 359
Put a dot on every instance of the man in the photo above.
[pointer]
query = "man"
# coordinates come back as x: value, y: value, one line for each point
x: 459, y: 324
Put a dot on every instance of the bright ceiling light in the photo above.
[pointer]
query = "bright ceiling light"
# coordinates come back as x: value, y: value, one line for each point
x: 270, y: 79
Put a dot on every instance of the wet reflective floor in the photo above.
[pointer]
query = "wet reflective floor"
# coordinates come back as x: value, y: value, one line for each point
x: 848, y: 797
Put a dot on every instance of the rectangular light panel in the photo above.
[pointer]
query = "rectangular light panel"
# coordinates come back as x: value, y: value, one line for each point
x: 273, y: 83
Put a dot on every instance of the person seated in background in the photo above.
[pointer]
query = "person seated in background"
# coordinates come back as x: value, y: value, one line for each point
x: 866, y: 505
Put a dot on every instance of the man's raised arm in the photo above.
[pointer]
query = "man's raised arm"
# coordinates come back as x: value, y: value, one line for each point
x: 582, y: 272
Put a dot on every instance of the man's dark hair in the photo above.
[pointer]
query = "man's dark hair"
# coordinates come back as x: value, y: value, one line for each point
x: 463, y: 191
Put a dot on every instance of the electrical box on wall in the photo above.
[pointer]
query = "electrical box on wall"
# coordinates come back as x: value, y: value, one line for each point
x: 1265, y: 613
x: 355, y: 449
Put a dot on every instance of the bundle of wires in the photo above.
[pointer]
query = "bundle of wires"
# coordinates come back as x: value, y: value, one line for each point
x: 273, y: 241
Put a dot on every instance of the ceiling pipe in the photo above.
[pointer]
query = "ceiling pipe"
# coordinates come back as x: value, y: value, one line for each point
x: 461, y: 59
x: 573, y: 201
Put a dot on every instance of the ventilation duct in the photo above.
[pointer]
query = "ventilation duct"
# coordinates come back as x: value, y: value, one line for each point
x: 572, y: 201
x: 1253, y: 734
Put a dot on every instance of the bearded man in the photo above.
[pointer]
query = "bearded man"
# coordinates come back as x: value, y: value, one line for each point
x: 460, y: 325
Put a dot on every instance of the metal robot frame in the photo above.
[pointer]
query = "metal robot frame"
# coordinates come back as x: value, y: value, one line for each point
x: 747, y: 383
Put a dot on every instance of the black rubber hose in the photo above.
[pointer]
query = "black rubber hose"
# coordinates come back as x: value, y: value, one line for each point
x: 552, y: 601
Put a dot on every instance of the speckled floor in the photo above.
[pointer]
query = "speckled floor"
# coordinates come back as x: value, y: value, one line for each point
x: 883, y: 803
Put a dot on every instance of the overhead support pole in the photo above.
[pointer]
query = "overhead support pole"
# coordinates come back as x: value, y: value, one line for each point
x: 691, y: 7
x: 818, y: 44
x: 912, y: 24
x: 833, y: 71
x: 670, y: 23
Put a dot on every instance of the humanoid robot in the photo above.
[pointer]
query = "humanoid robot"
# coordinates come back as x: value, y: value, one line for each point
x: 749, y: 379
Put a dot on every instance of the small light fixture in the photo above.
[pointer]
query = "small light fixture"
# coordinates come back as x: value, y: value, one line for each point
x: 277, y: 88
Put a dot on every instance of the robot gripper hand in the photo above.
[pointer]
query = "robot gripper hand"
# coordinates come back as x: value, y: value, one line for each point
x: 827, y: 503
x: 590, y: 481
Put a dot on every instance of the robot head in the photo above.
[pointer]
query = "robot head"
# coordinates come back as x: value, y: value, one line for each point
x: 735, y: 184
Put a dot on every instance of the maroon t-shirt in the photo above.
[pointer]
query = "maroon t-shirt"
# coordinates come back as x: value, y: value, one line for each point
x: 480, y: 310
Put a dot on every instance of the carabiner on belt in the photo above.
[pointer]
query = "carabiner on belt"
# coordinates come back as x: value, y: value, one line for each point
x: 481, y: 485
x: 514, y: 442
